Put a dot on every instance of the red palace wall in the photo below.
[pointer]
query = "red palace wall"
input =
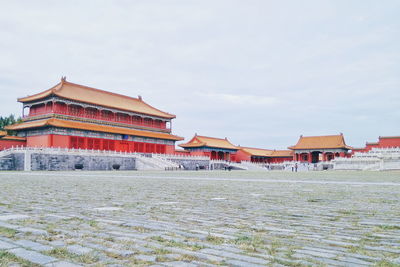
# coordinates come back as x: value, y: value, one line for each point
x: 389, y: 142
x: 38, y: 141
x: 280, y: 160
x: 5, y: 144
x: 64, y: 141
x: 242, y: 156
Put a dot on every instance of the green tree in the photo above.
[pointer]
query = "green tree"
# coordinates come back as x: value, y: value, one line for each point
x: 4, y: 121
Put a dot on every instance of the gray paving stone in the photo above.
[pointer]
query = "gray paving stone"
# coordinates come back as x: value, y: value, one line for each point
x: 57, y: 243
x: 179, y: 264
x: 316, y: 253
x: 33, y: 245
x: 149, y: 258
x: 242, y: 263
x: 79, y: 250
x: 62, y: 264
x: 199, y: 255
x: 9, y: 226
x: 279, y: 218
x: 6, y: 245
x: 32, y: 256
x: 13, y: 217
x: 32, y: 231
x: 234, y: 256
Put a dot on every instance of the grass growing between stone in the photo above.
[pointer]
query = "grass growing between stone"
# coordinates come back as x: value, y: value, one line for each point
x: 8, y: 259
x: 63, y: 253
x: 179, y: 244
x: 250, y: 243
x: 7, y: 232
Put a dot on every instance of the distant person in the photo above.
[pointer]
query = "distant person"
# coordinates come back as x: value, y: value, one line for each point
x: 295, y: 167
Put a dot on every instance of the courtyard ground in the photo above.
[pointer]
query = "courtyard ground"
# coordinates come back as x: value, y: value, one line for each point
x: 235, y: 218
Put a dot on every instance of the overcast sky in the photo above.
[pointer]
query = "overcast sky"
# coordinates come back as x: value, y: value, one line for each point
x: 258, y: 72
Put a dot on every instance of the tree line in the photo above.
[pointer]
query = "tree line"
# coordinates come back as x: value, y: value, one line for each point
x: 8, y: 120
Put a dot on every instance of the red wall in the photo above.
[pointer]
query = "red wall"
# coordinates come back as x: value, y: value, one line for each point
x: 64, y: 141
x: 242, y: 156
x: 280, y: 159
x: 5, y: 144
x: 38, y: 141
x: 369, y: 146
x: 389, y: 142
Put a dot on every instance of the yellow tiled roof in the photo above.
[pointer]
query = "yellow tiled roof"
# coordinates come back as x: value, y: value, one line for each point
x: 13, y: 138
x: 95, y: 96
x: 257, y: 151
x: 320, y: 142
x: 282, y: 153
x: 199, y: 141
x: 3, y: 133
x: 92, y: 127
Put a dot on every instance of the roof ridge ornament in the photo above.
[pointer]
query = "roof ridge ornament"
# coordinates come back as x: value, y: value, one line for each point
x: 63, y: 79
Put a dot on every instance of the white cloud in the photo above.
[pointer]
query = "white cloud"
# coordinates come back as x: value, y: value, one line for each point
x: 255, y: 71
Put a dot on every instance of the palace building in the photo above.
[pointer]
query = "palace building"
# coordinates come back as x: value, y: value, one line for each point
x: 215, y: 148
x: 7, y: 141
x: 313, y: 149
x: 260, y: 155
x: 70, y: 115
x: 383, y: 142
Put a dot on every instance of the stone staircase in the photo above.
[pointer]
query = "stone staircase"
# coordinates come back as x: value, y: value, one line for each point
x: 378, y: 159
x: 254, y: 166
x: 154, y: 163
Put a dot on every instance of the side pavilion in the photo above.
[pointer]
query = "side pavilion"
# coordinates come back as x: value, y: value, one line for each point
x: 215, y: 148
x: 313, y: 149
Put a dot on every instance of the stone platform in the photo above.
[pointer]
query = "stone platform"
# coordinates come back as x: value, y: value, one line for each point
x: 200, y: 218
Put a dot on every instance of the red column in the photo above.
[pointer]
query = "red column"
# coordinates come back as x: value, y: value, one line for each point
x: 309, y: 157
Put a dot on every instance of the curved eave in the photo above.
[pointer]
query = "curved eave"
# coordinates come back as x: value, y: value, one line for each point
x: 92, y: 127
x: 13, y: 138
x: 59, y: 89
x: 309, y: 148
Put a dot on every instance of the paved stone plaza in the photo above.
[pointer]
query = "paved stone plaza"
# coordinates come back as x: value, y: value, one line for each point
x: 199, y: 218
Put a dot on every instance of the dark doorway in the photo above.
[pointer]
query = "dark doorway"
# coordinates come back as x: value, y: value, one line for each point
x: 315, y: 157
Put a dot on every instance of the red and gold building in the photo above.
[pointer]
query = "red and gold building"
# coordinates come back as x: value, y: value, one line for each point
x: 383, y: 142
x: 313, y: 149
x: 7, y: 141
x: 70, y: 115
x: 215, y: 148
x: 260, y: 155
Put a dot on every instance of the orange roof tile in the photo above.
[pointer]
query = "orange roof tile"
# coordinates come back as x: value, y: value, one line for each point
x: 389, y: 137
x: 282, y: 153
x: 199, y: 141
x: 256, y: 151
x: 320, y: 142
x: 3, y: 133
x: 267, y: 152
x: 91, y: 127
x: 95, y: 96
x: 14, y: 138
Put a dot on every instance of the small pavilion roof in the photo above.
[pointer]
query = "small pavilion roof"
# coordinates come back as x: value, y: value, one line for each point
x: 282, y: 153
x: 321, y: 142
x: 201, y: 141
x: 91, y: 127
x: 259, y: 152
x: 99, y: 97
x: 13, y: 138
x: 3, y: 133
